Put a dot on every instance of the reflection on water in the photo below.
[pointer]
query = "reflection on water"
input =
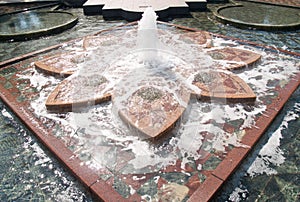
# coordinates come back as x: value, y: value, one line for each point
x: 262, y: 14
x: 24, y: 23
x: 31, y: 21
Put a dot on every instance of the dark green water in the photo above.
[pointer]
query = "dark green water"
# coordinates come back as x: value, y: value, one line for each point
x: 32, y: 21
x: 262, y: 14
x: 28, y: 172
x: 261, y: 177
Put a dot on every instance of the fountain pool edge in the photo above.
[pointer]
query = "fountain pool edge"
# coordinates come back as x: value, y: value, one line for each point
x: 104, y: 191
x: 21, y: 36
x: 247, y: 25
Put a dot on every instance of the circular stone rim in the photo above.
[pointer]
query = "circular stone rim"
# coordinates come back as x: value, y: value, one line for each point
x: 41, y: 32
x: 247, y: 25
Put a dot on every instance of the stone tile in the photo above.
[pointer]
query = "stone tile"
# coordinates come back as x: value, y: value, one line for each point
x: 105, y: 191
x: 206, y: 190
x: 230, y: 163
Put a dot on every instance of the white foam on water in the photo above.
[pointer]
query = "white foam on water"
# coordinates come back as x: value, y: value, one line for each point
x: 119, y: 63
x: 238, y: 195
x: 271, y: 154
x: 37, y: 80
x: 145, y: 156
x: 272, y: 68
x: 158, y: 75
x: 6, y: 114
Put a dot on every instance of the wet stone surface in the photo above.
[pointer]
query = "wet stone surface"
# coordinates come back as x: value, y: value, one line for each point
x: 149, y: 94
x: 271, y: 171
x: 28, y: 170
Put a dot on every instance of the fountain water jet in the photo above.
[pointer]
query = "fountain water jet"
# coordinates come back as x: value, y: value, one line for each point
x: 151, y: 88
x: 147, y: 40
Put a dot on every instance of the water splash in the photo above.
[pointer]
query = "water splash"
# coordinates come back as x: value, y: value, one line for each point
x: 271, y: 155
x: 97, y: 128
x: 147, y: 40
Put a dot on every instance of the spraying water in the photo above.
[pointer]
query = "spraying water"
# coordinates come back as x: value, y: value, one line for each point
x: 147, y: 40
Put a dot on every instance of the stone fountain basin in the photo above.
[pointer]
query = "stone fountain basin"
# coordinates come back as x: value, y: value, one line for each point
x: 33, y: 24
x: 193, y: 161
x: 260, y: 16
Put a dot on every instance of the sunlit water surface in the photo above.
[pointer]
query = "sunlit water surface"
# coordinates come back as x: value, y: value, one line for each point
x: 262, y: 14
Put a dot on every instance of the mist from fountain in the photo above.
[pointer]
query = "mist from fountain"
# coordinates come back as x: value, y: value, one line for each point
x: 147, y: 40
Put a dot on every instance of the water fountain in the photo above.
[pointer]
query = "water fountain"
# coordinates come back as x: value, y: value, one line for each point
x: 100, y: 133
x: 150, y: 97
x: 155, y: 80
x: 147, y: 36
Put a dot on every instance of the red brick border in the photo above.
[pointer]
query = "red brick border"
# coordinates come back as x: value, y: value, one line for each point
x: 237, y: 155
x: 86, y: 175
